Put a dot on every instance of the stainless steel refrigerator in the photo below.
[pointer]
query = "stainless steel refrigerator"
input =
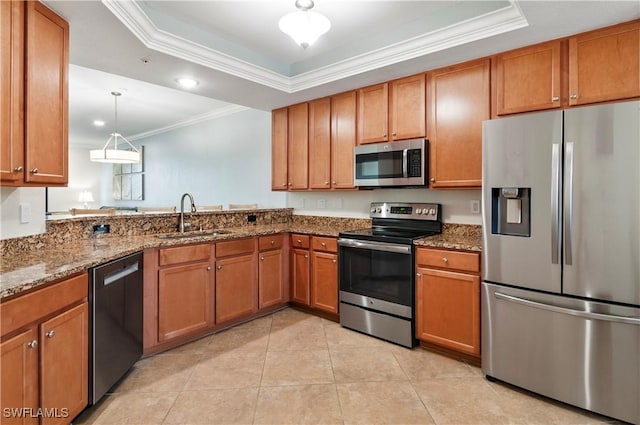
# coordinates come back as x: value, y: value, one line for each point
x: 561, y: 260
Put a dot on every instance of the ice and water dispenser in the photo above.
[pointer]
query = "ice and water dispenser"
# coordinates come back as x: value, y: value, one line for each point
x: 511, y: 211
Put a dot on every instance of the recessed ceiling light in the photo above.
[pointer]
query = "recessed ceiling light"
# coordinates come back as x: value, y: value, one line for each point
x: 187, y: 83
x: 98, y: 123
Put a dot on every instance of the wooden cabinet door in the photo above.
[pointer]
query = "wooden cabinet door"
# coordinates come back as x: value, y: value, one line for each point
x: 605, y: 64
x: 19, y: 376
x: 279, y: 177
x: 459, y: 102
x: 46, y: 96
x: 271, y: 280
x: 64, y: 357
x: 407, y: 107
x: 528, y: 79
x: 320, y: 144
x: 448, y: 309
x: 343, y: 139
x: 236, y: 287
x: 11, y: 92
x: 300, y: 276
x: 184, y: 300
x: 373, y: 114
x: 324, y: 281
x: 298, y: 147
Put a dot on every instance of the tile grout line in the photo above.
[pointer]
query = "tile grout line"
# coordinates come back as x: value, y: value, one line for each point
x: 264, y: 364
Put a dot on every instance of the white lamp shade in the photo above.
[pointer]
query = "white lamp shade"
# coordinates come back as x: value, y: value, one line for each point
x: 304, y: 26
x: 114, y: 156
x: 85, y: 196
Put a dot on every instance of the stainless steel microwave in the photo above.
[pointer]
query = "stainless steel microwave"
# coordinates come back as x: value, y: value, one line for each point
x: 402, y: 163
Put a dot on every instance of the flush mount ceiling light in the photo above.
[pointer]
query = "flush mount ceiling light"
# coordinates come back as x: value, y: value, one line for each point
x: 98, y: 123
x: 115, y: 155
x: 187, y: 83
x: 304, y: 26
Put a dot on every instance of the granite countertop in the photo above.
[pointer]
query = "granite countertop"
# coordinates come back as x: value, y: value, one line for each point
x: 52, y: 262
x: 49, y: 263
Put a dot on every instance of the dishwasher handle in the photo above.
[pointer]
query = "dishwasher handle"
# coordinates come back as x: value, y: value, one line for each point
x: 120, y: 274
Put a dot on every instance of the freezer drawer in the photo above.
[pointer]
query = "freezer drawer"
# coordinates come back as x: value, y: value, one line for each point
x: 579, y: 352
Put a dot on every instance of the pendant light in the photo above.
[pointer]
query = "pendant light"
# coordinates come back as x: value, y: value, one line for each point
x: 115, y: 155
x: 304, y: 26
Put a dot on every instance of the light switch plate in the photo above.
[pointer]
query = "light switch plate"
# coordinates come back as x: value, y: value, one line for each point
x: 25, y: 213
x: 475, y: 207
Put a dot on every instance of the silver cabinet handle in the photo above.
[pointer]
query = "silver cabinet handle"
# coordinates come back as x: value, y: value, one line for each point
x: 219, y: 268
x: 555, y: 99
x: 568, y: 215
x: 555, y: 203
x: 418, y: 274
x: 209, y: 268
x: 323, y: 244
x: 433, y: 179
x: 284, y: 185
x: 289, y: 184
x: 306, y: 256
x: 375, y: 246
x: 32, y: 344
x: 574, y: 96
x: 34, y: 171
x: 18, y: 169
x: 334, y: 182
x: 445, y: 260
x: 261, y: 258
x: 334, y: 260
x: 326, y: 182
x: 569, y: 311
x: 273, y: 242
x: 50, y: 334
x: 384, y: 135
x: 393, y: 134
x: 299, y: 241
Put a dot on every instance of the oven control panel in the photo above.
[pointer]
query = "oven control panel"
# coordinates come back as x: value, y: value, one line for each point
x: 406, y: 210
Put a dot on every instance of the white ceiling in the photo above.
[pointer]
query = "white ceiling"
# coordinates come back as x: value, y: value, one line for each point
x: 239, y: 56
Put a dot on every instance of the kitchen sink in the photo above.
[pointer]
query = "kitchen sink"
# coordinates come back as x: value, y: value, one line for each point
x: 194, y: 234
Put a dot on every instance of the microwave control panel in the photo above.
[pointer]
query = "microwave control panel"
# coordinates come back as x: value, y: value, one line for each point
x: 405, y: 210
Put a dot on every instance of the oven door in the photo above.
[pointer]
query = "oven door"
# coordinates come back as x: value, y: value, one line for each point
x: 383, y: 271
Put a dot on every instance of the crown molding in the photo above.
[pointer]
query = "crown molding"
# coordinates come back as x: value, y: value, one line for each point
x: 490, y: 24
x: 218, y: 113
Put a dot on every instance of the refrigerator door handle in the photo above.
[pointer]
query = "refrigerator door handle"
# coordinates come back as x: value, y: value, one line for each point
x: 571, y: 312
x: 568, y: 218
x: 555, y: 203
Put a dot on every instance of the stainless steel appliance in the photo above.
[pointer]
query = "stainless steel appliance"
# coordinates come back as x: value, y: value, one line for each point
x: 376, y: 270
x: 115, y: 298
x: 402, y: 163
x: 561, y: 271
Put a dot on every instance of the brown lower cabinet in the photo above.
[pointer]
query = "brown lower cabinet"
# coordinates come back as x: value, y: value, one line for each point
x: 236, y: 279
x: 185, y: 289
x: 44, y: 354
x: 272, y: 282
x: 448, y: 299
x: 314, y: 272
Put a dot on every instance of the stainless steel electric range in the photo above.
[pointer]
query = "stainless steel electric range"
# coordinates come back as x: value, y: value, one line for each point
x: 377, y: 270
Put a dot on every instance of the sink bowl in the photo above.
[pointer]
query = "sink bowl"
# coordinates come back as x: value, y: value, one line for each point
x: 194, y: 234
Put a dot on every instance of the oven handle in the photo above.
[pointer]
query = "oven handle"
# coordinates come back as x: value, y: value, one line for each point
x: 376, y: 246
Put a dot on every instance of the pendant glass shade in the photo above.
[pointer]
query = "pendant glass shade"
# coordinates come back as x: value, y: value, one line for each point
x: 304, y: 26
x: 114, y: 155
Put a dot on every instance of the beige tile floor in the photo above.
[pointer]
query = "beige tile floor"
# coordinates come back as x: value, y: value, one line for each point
x: 295, y: 368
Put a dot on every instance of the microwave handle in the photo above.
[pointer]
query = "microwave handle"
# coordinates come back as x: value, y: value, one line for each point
x: 405, y: 166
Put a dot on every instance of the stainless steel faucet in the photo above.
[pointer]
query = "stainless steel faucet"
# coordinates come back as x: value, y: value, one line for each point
x: 182, y: 225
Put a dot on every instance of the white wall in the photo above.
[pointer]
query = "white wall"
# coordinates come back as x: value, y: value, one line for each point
x: 221, y: 161
x: 456, y: 204
x: 32, y: 201
x: 83, y: 175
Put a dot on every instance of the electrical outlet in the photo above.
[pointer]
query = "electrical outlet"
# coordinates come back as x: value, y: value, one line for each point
x: 322, y: 203
x: 339, y: 203
x: 475, y: 206
x: 100, y: 229
x: 25, y: 213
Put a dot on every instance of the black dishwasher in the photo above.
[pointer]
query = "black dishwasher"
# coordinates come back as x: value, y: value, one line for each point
x: 115, y: 297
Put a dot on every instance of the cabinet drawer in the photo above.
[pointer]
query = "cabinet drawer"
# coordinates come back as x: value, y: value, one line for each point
x: 242, y: 246
x: 28, y: 308
x: 324, y: 244
x: 184, y: 254
x: 300, y: 241
x: 452, y: 260
x: 270, y: 242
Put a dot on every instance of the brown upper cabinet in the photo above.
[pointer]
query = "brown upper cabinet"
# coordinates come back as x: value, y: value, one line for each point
x: 398, y: 106
x: 332, y: 137
x: 34, y: 95
x: 458, y: 103
x: 529, y: 79
x: 279, y: 175
x: 298, y: 147
x: 290, y: 148
x: 604, y: 64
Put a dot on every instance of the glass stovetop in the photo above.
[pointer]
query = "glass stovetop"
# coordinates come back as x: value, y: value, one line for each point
x: 387, y: 234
